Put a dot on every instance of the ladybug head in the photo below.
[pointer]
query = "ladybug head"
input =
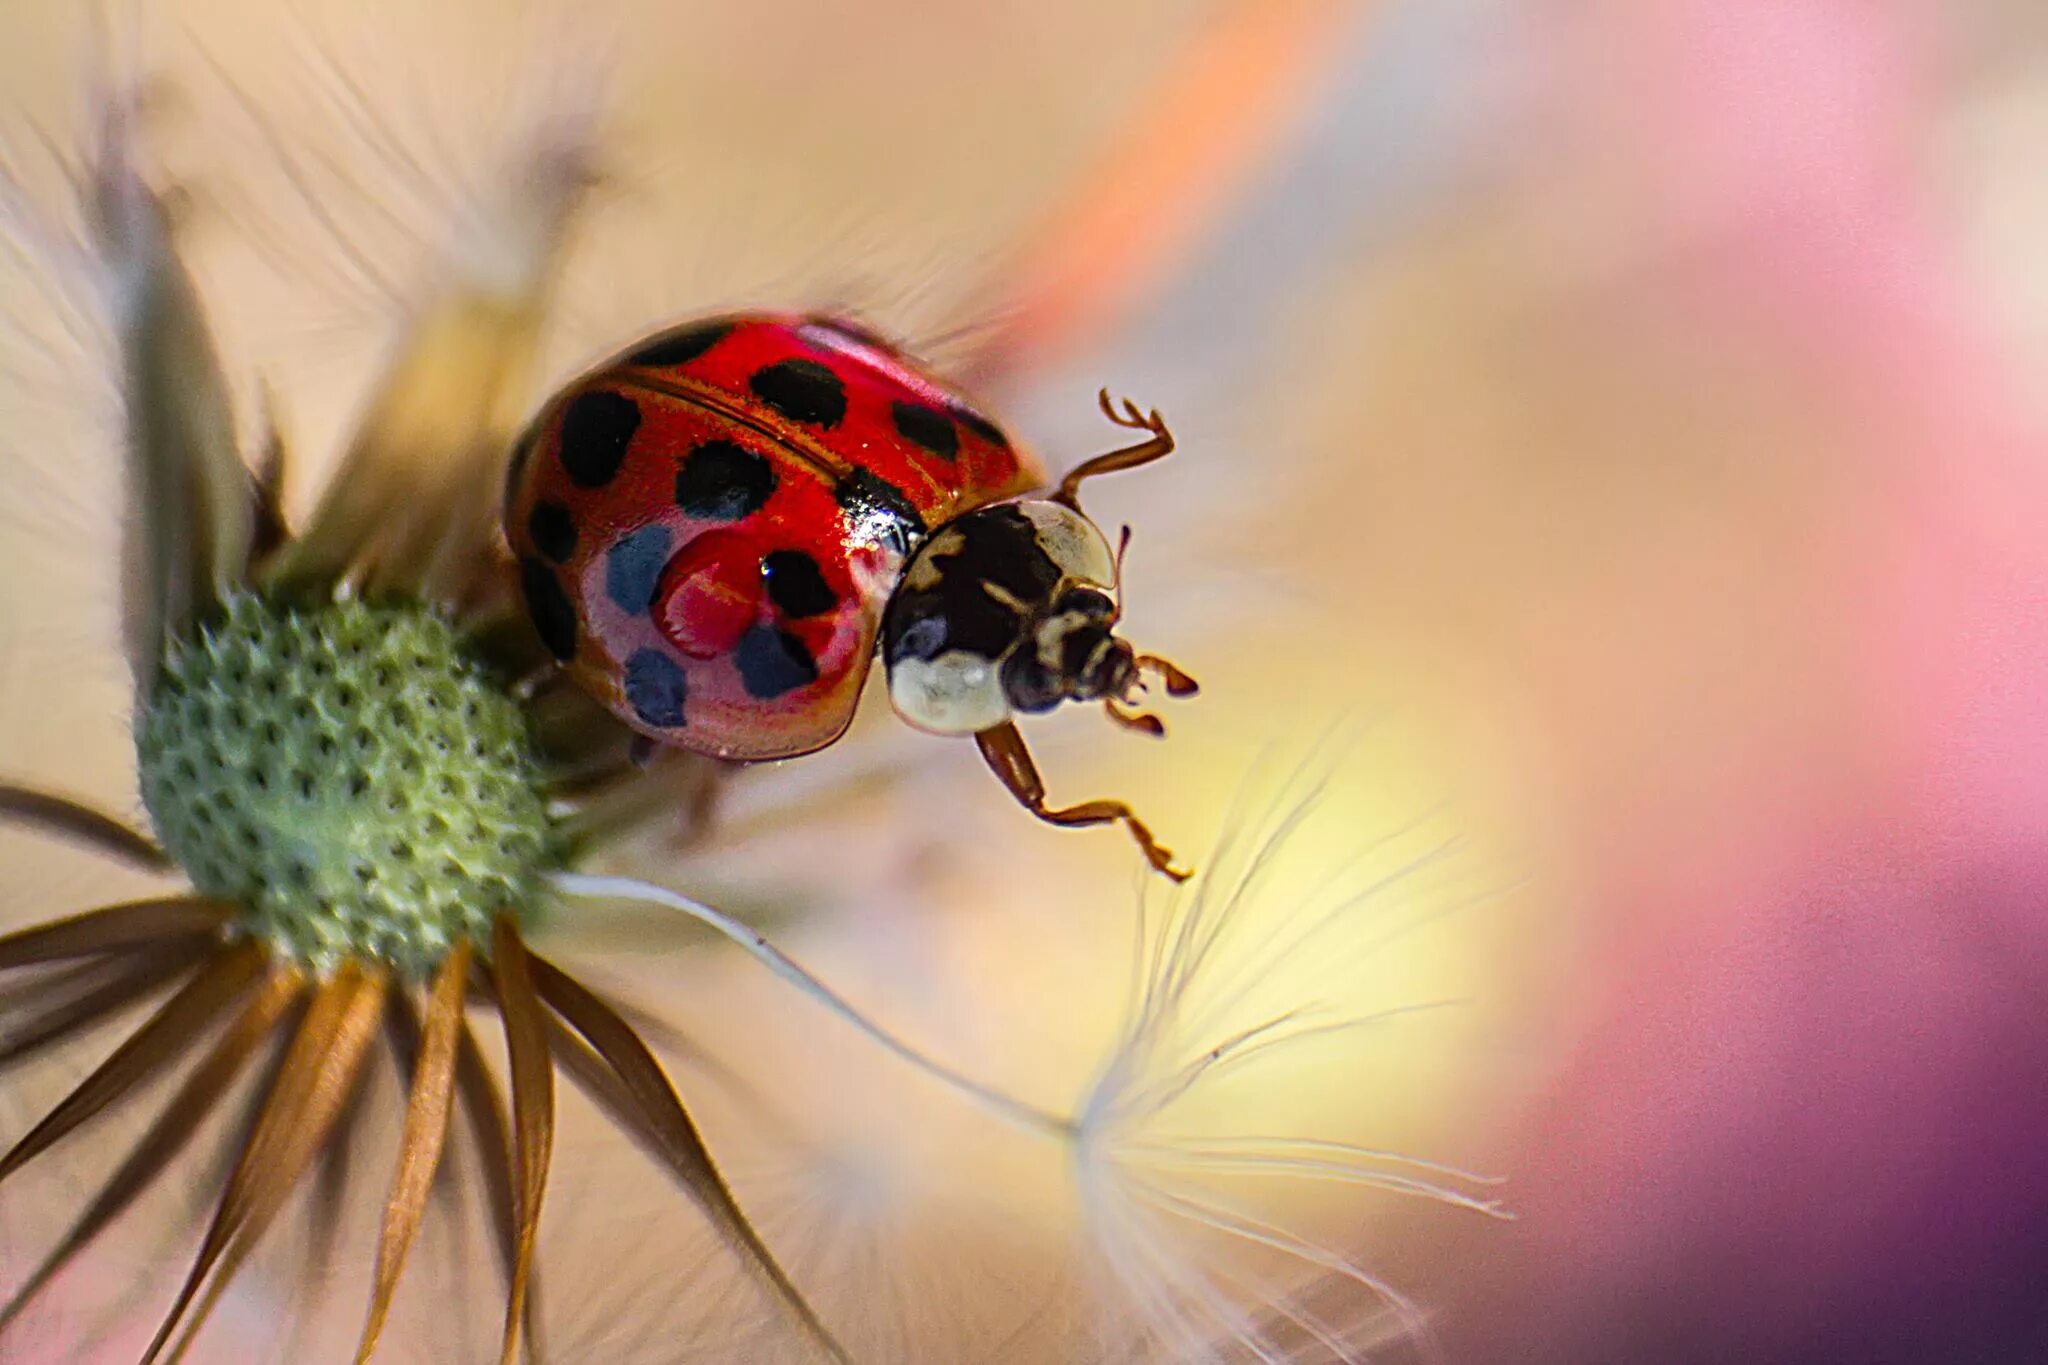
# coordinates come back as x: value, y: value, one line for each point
x: 1009, y: 609
x: 1070, y: 652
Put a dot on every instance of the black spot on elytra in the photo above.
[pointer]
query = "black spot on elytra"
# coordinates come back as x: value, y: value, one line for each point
x: 773, y: 662
x: 633, y: 568
x: 596, y: 430
x: 680, y: 346
x: 928, y: 427
x: 796, y: 585
x: 877, y: 512
x: 656, y: 688
x: 552, y: 530
x: 554, y: 615
x: 801, y: 390
x: 980, y: 426
x: 723, y: 481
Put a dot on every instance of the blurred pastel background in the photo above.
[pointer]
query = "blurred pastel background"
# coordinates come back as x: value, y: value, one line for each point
x: 1613, y: 452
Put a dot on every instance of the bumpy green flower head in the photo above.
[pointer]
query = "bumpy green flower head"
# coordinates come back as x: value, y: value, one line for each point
x: 349, y: 774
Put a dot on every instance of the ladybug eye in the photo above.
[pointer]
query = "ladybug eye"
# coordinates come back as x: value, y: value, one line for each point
x: 1090, y: 603
x: 1029, y: 685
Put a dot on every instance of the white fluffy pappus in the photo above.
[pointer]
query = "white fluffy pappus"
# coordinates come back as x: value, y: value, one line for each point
x: 1174, y: 1152
x: 1188, y: 1160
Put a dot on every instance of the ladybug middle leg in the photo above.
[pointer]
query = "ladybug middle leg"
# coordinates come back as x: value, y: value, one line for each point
x: 1003, y: 748
x: 1126, y: 414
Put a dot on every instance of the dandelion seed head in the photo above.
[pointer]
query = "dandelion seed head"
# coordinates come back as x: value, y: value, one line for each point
x: 1284, y: 1046
x: 348, y: 775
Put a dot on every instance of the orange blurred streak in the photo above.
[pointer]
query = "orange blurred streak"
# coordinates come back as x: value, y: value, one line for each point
x: 1199, y: 137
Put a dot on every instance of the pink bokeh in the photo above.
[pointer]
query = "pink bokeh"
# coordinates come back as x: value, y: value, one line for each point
x: 1805, y: 1118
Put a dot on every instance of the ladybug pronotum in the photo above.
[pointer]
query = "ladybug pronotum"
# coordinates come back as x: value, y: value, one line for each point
x: 717, y: 530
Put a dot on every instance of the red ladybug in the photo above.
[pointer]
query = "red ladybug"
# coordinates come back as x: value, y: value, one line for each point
x: 716, y: 529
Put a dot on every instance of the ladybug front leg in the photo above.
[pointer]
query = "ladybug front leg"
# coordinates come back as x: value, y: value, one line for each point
x: 1130, y: 457
x: 1003, y: 748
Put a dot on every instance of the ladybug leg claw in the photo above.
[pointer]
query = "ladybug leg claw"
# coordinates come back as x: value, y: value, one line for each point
x: 1126, y: 414
x: 1002, y: 746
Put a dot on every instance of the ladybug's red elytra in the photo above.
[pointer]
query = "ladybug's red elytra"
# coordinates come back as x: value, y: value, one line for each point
x: 717, y: 529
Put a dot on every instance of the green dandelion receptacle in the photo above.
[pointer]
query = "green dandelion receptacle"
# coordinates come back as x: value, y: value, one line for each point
x: 348, y: 774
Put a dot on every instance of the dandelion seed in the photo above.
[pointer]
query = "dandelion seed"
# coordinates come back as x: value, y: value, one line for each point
x: 1152, y: 1185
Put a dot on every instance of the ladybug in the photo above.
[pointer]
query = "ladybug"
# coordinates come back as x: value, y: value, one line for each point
x: 718, y: 529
